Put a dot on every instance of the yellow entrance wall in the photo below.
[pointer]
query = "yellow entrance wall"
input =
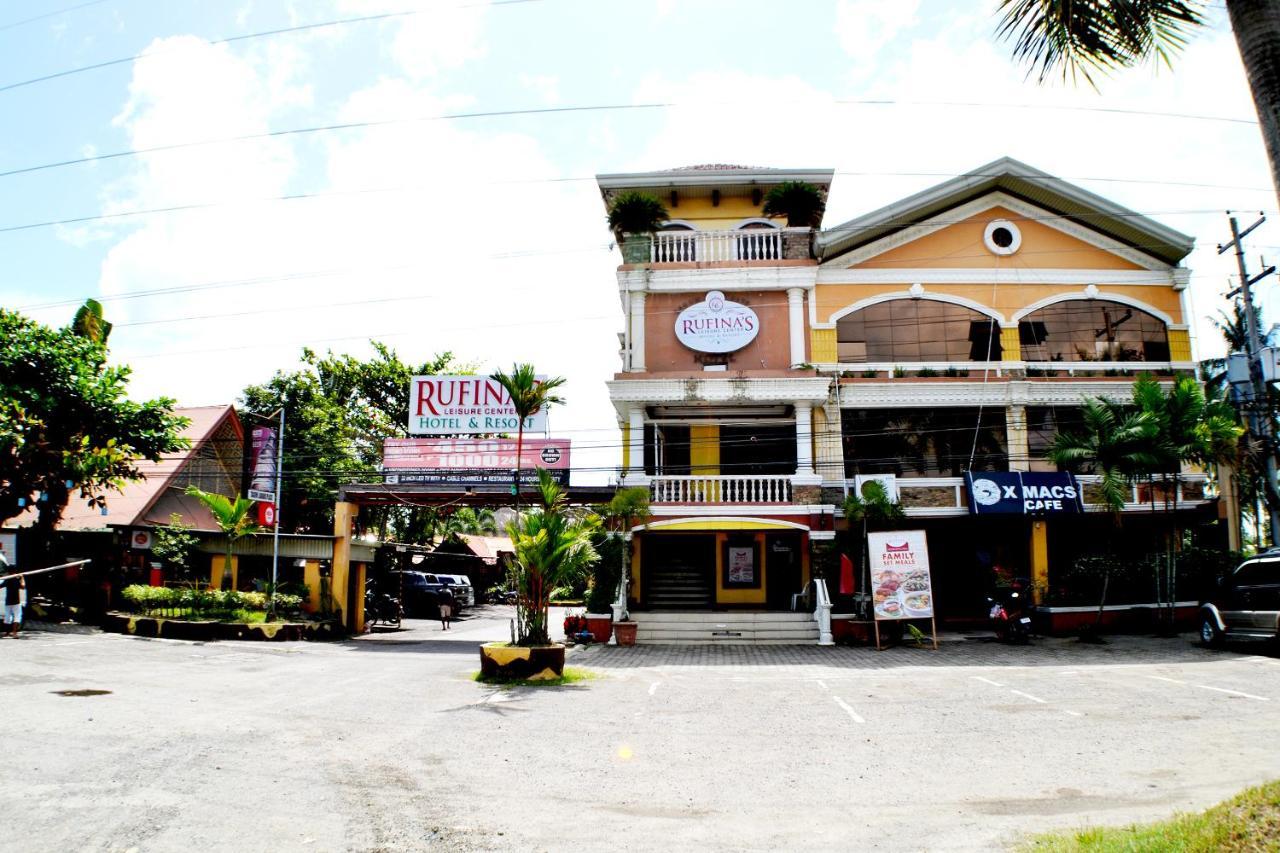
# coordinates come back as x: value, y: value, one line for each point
x: 704, y: 450
x: 962, y: 245
x: 1039, y: 559
x: 740, y: 596
x: 1007, y: 299
x: 634, y: 595
x: 700, y: 212
x: 217, y: 566
x: 311, y: 577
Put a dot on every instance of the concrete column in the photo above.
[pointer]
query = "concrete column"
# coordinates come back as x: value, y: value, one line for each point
x: 1015, y: 426
x: 795, y: 323
x: 804, y: 440
x: 1229, y: 505
x: 344, y: 515
x: 311, y: 577
x: 634, y: 475
x: 637, y: 331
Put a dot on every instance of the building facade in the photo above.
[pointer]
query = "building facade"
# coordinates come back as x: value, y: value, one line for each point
x: 769, y: 370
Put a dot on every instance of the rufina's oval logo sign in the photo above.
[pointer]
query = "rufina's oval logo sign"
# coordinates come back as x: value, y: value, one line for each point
x: 717, y: 325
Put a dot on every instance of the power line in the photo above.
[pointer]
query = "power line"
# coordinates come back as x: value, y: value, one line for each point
x: 316, y: 25
x: 52, y: 14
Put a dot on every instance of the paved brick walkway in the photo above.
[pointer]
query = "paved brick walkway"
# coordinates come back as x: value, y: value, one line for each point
x: 954, y: 650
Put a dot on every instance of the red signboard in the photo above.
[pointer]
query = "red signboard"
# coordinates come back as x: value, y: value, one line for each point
x: 473, y: 454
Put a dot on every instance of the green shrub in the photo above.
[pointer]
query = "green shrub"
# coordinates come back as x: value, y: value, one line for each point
x: 926, y: 372
x: 605, y: 574
x: 201, y: 602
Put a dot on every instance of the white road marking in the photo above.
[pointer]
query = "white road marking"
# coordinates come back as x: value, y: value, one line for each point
x: 1070, y: 672
x: 822, y: 684
x: 848, y: 710
x: 1210, y: 687
x: 988, y: 681
x: 653, y: 688
x: 74, y: 643
x: 1028, y: 696
x: 1072, y: 713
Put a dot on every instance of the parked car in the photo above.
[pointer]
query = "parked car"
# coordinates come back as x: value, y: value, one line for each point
x: 463, y: 592
x: 1246, y: 603
x: 418, y: 592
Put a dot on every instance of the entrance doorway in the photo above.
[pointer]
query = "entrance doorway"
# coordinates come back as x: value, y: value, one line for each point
x: 677, y: 571
x: 782, y: 579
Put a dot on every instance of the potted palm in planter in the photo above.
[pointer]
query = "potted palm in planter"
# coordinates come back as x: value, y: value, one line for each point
x: 633, y: 217
x: 627, y: 508
x: 604, y: 588
x: 552, y: 549
x: 802, y: 204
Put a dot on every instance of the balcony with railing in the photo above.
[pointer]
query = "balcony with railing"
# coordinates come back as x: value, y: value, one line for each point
x: 748, y: 245
x: 714, y: 489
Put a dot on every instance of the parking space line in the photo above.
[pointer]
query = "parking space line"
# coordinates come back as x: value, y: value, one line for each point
x: 822, y: 684
x: 653, y: 688
x: 848, y: 709
x: 987, y: 681
x: 1072, y: 713
x: 1029, y: 696
x: 1209, y: 687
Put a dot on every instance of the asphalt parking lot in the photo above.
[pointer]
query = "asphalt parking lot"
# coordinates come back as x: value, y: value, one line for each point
x: 385, y: 743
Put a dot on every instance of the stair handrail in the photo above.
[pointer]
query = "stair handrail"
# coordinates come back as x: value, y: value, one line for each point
x: 822, y: 611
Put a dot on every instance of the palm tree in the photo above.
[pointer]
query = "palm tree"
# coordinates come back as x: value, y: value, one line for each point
x: 89, y: 322
x: 471, y: 521
x: 232, y: 517
x: 1081, y: 37
x: 627, y: 508
x: 552, y: 549
x: 528, y: 395
x: 1116, y: 442
x: 872, y: 508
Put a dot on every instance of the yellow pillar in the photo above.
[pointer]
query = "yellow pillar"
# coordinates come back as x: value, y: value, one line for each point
x: 1179, y: 345
x: 822, y: 346
x: 704, y: 450
x: 1039, y: 559
x: 356, y: 622
x: 1010, y: 344
x: 311, y: 577
x: 344, y: 516
x: 217, y: 567
x: 626, y: 446
x: 1015, y: 426
x: 634, y: 595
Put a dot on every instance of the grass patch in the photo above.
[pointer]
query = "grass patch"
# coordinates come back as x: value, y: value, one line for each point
x: 572, y: 675
x: 1247, y: 822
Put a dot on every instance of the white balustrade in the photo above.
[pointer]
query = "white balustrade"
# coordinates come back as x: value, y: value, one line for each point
x: 741, y: 489
x: 752, y: 244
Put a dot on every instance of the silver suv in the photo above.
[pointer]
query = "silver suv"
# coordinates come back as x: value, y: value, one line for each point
x: 462, y: 589
x: 1246, y: 604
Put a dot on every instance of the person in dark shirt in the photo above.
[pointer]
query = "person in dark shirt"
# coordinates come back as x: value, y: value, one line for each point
x: 446, y: 601
x: 14, y: 588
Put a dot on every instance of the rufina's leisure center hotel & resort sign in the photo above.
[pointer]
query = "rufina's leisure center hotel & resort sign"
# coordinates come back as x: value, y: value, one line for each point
x: 460, y: 405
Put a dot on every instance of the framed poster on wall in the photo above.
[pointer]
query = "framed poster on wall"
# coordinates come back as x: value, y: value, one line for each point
x: 741, y: 564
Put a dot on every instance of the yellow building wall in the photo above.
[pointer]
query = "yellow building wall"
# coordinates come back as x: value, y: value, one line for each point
x: 704, y: 450
x: 1008, y: 299
x: 700, y: 212
x: 822, y: 343
x: 626, y: 446
x: 311, y: 578
x: 1039, y: 560
x: 634, y: 594
x: 962, y: 245
x: 741, y: 596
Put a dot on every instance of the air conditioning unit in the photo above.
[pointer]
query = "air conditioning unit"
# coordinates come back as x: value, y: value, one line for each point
x: 889, y: 481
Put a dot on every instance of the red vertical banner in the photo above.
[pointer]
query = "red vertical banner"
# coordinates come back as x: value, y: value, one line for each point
x: 847, y: 585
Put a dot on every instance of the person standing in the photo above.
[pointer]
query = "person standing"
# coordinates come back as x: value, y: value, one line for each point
x: 15, y: 589
x: 446, y: 601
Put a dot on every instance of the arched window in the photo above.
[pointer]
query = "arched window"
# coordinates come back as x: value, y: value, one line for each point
x: 1093, y: 330
x: 917, y: 330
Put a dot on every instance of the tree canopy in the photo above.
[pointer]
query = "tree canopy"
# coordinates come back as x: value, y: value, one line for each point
x: 67, y: 427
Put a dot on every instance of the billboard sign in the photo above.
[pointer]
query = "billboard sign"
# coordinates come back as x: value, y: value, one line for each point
x: 472, y: 462
x: 717, y: 325
x: 901, y: 587
x: 1023, y: 493
x: 262, y: 482
x: 461, y: 405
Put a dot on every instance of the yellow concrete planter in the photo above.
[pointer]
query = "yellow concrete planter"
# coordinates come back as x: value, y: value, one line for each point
x: 504, y: 662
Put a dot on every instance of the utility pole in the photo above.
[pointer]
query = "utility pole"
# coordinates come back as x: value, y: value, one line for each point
x: 1259, y: 408
x: 275, y: 539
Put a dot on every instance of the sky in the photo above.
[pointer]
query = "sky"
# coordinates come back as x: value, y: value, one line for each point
x: 432, y: 228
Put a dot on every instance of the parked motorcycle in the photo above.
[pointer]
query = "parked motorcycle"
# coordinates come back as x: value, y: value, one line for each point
x: 380, y: 608
x: 1008, y: 616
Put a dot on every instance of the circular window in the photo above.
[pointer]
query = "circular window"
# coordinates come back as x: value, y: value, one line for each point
x: 1002, y: 237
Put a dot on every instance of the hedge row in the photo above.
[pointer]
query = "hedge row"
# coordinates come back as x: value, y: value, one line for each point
x: 151, y: 599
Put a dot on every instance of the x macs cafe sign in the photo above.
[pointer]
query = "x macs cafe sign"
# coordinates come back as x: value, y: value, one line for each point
x: 458, y: 405
x: 1018, y: 493
x: 717, y: 325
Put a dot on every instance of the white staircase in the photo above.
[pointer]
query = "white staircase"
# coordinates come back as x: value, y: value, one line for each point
x: 732, y: 628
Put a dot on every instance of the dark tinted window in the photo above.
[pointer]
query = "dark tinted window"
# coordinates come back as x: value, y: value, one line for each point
x: 918, y: 330
x: 1255, y: 574
x: 1092, y: 330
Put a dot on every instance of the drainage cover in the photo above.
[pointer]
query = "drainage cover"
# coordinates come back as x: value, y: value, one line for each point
x: 80, y: 692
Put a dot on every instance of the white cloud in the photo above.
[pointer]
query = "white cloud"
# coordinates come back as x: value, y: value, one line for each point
x: 865, y: 27
x: 545, y: 86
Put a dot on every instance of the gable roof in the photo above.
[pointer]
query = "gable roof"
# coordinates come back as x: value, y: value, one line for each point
x: 1022, y: 181
x: 139, y: 502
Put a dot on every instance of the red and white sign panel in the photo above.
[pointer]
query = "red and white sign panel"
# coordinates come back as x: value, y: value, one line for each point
x: 458, y: 405
x: 900, y: 582
x: 471, y: 461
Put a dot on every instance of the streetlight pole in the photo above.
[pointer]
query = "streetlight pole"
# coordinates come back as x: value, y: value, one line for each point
x: 275, y: 539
